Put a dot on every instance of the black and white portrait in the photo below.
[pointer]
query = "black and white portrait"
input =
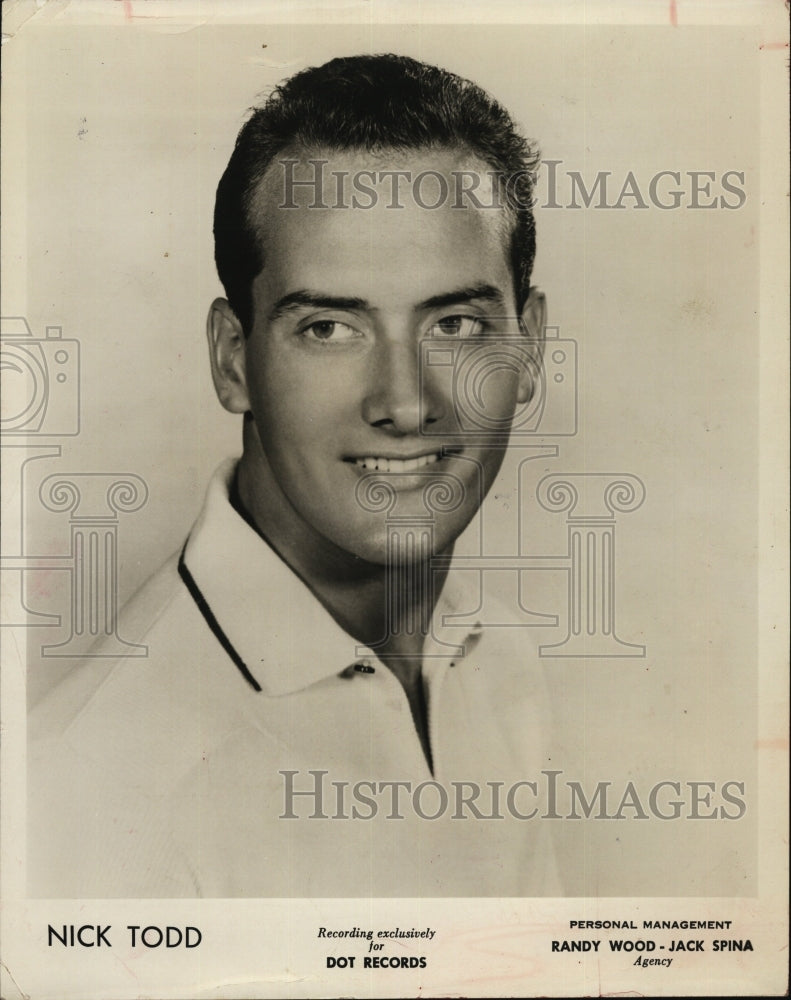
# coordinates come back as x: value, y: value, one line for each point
x: 384, y: 442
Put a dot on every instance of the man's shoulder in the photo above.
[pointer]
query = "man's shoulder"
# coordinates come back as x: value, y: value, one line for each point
x: 506, y: 633
x: 150, y: 610
x: 148, y: 704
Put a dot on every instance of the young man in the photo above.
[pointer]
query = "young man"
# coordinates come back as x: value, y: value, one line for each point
x: 310, y: 720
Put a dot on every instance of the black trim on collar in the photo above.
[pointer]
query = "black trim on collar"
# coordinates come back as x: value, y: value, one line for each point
x: 211, y: 621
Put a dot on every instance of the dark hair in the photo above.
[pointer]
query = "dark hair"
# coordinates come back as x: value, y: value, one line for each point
x: 373, y: 103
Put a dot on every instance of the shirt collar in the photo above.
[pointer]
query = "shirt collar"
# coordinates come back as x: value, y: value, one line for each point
x: 283, y: 635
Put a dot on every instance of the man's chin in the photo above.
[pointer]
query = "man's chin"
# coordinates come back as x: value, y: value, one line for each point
x: 403, y: 545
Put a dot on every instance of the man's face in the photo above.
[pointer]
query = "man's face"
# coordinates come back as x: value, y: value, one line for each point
x: 353, y: 418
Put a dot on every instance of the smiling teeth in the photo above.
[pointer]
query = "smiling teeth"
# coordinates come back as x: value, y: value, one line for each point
x: 396, y: 464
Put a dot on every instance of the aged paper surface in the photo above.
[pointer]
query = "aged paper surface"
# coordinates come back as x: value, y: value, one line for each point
x: 661, y: 215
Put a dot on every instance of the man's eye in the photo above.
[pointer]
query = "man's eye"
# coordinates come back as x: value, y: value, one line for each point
x: 330, y: 331
x: 457, y: 326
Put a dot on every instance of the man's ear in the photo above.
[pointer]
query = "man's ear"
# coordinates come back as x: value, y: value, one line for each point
x: 227, y: 347
x: 534, y: 319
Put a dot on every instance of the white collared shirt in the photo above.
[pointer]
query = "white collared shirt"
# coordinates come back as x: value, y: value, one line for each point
x: 172, y: 774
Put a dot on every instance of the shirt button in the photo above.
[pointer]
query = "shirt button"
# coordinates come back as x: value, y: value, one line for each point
x: 365, y: 667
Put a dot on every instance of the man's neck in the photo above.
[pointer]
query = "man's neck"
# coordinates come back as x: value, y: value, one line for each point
x: 388, y: 607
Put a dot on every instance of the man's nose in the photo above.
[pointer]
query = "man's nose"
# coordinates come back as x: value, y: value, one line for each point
x: 401, y: 399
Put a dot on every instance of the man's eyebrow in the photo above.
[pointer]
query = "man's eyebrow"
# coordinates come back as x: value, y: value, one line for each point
x: 318, y: 300
x: 315, y: 300
x: 487, y: 293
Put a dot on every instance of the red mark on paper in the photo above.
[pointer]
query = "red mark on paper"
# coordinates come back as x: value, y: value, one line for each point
x: 773, y: 45
x: 673, y: 13
x: 778, y: 743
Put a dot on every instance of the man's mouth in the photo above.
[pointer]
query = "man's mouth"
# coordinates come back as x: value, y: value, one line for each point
x: 375, y: 463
